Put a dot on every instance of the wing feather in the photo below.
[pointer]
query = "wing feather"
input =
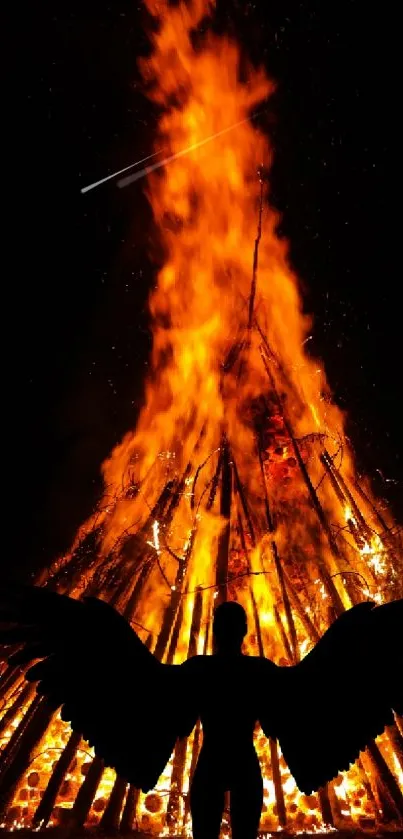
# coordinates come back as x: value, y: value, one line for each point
x: 342, y: 694
x: 93, y: 665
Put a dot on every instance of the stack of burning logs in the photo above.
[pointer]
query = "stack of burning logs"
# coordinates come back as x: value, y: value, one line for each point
x: 121, y: 577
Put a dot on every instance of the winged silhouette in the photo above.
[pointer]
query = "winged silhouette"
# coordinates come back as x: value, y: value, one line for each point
x: 132, y: 709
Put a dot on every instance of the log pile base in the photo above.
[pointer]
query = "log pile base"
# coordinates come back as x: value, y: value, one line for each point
x: 61, y: 833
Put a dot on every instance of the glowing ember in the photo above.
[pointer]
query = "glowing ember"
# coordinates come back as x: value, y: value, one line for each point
x: 237, y: 481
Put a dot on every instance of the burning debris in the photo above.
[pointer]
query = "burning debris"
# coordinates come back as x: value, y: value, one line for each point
x: 237, y: 483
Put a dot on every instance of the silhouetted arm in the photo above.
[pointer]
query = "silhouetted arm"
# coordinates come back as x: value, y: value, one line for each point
x: 270, y: 679
x: 190, y: 675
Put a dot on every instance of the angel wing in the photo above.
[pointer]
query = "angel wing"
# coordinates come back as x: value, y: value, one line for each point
x: 341, y: 695
x: 112, y: 690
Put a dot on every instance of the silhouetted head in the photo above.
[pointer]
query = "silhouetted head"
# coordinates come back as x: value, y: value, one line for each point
x: 229, y: 627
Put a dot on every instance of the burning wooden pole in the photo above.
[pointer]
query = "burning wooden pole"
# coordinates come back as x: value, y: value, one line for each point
x: 129, y: 811
x: 85, y: 796
x: 309, y: 627
x: 387, y: 535
x: 286, y: 603
x: 256, y: 257
x: 361, y: 532
x: 85, y: 552
x: 214, y: 482
x: 396, y: 741
x: 399, y: 723
x: 389, y: 791
x: 168, y: 619
x: 225, y: 510
x: 111, y: 816
x: 9, y: 679
x: 327, y: 580
x: 277, y: 564
x: 241, y: 348
x: 175, y: 634
x: 278, y: 788
x: 325, y: 806
x: 245, y: 507
x: 48, y: 800
x: 21, y: 699
x: 17, y: 755
x: 371, y: 792
x: 344, y: 493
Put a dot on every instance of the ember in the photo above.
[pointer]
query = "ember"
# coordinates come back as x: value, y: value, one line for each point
x: 237, y: 482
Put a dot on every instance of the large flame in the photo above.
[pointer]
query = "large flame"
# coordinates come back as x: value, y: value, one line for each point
x: 232, y: 393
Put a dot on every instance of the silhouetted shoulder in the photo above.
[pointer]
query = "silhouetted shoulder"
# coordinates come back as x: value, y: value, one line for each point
x: 263, y: 671
x: 196, y: 666
x: 263, y: 665
x: 195, y: 662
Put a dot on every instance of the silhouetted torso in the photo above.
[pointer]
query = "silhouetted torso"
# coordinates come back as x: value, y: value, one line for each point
x: 227, y: 696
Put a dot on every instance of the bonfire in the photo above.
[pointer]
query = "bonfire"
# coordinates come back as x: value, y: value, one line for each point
x: 238, y: 481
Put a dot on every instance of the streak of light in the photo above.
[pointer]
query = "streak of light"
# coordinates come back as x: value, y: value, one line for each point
x: 119, y: 172
x: 129, y: 179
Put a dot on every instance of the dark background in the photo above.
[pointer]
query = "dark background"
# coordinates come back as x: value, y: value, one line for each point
x: 74, y: 290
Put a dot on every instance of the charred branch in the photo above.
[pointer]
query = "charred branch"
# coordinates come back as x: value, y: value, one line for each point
x: 19, y: 751
x: 225, y: 509
x: 278, y: 789
x: 389, y: 790
x: 44, y: 810
x: 129, y: 810
x: 86, y: 795
x: 111, y: 815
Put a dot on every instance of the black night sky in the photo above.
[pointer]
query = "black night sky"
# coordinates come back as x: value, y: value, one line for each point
x: 75, y: 322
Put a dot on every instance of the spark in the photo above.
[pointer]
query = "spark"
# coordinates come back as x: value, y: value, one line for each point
x: 129, y: 179
x: 155, y: 543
